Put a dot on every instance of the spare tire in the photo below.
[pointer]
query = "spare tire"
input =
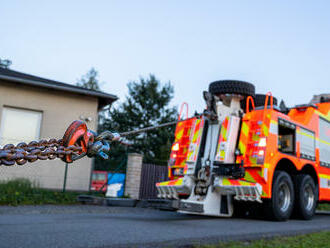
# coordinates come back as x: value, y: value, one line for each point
x: 259, y: 101
x: 232, y: 87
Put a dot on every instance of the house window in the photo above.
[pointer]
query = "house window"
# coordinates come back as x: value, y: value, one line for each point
x: 19, y: 125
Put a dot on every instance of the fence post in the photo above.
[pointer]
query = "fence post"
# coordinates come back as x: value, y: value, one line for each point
x: 133, y: 175
x: 65, y: 177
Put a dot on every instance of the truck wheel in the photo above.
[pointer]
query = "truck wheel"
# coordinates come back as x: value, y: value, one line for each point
x: 306, y: 196
x: 232, y: 87
x: 280, y: 206
x: 259, y: 100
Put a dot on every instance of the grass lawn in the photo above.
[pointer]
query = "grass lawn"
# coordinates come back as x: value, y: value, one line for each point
x: 324, y: 206
x: 23, y: 192
x: 315, y: 240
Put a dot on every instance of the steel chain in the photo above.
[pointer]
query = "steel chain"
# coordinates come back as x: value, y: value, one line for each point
x: 53, y: 148
x: 42, y: 150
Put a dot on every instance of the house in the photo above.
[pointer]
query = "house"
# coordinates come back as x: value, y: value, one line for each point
x: 35, y: 108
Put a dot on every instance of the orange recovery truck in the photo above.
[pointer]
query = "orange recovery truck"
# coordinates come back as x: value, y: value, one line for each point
x: 245, y: 149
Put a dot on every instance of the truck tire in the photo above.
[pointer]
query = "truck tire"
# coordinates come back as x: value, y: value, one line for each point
x: 280, y: 206
x: 307, y: 195
x: 259, y: 101
x: 232, y: 87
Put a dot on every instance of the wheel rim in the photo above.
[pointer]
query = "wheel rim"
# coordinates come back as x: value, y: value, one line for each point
x: 308, y: 197
x: 284, y: 198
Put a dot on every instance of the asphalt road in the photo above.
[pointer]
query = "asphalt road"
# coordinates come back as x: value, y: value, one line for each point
x: 95, y: 226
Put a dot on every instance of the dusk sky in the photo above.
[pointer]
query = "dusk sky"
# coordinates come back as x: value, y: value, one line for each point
x: 280, y: 46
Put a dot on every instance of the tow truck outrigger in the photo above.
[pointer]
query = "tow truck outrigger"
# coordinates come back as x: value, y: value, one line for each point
x: 243, y: 148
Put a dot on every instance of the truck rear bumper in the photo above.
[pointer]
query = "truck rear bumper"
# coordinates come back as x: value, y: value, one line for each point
x: 240, y: 189
x: 172, y: 189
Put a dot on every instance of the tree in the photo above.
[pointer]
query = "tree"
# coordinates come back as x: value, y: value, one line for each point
x: 89, y: 80
x: 147, y: 104
x: 5, y: 63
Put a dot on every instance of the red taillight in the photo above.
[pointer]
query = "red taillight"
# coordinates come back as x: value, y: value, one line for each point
x: 260, y: 150
x: 175, y: 149
x: 261, y: 155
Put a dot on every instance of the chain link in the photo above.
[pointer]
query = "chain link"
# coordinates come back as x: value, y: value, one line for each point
x: 42, y: 150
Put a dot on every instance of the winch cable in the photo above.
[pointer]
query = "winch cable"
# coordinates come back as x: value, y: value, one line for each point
x: 110, y: 136
x: 146, y: 129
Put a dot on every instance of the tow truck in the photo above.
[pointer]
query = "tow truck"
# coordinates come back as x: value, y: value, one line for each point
x: 245, y: 149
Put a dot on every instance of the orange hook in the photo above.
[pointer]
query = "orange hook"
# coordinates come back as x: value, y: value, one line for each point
x: 77, y: 134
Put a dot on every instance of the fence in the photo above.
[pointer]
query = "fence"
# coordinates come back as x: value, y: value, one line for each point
x: 150, y: 175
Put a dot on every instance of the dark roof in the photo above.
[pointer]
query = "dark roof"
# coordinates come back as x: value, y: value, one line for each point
x: 19, y: 77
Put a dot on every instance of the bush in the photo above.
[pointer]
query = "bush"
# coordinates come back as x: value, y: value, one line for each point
x: 23, y: 192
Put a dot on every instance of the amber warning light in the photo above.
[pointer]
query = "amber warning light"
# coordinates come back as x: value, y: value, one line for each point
x: 175, y: 147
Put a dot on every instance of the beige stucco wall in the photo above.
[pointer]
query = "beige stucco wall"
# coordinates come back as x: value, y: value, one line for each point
x: 59, y: 109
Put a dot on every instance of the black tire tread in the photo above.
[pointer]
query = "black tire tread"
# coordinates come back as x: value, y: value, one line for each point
x: 259, y: 101
x: 299, y: 212
x: 232, y: 87
x: 269, y: 210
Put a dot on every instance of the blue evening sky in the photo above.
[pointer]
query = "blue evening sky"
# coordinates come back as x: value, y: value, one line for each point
x: 281, y: 46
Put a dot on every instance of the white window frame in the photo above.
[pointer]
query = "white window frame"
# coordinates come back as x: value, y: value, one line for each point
x: 3, y: 119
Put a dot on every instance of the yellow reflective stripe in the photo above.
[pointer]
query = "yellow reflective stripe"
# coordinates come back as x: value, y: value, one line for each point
x: 324, y: 142
x: 225, y: 182
x: 244, y: 183
x: 248, y: 177
x: 265, y: 129
x: 273, y: 122
x: 242, y: 147
x: 324, y: 116
x: 190, y: 155
x: 179, y: 182
x: 196, y: 132
x: 222, y: 154
x: 253, y: 160
x: 266, y: 165
x: 171, y: 183
x: 245, y: 129
x: 313, y: 137
x: 305, y: 134
x: 163, y: 183
x: 324, y: 176
x: 223, y: 132
x: 180, y: 134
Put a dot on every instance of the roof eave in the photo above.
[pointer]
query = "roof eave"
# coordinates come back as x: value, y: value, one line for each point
x: 108, y: 97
